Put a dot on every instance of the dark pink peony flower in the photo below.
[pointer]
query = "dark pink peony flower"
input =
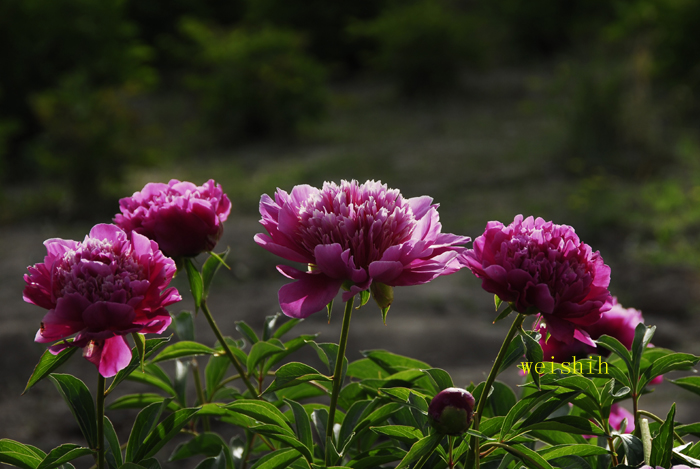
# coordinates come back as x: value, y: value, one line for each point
x: 538, y: 266
x: 451, y: 411
x: 353, y: 234
x: 182, y: 218
x: 101, y: 289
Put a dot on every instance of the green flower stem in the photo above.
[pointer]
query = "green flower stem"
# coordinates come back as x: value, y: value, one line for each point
x: 635, y: 412
x: 200, y: 392
x: 337, y: 375
x: 101, y: 422
x: 227, y: 349
x: 450, y: 444
x: 517, y: 322
x: 611, y: 444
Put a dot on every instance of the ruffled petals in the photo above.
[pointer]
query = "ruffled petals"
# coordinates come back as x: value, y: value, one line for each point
x: 308, y: 295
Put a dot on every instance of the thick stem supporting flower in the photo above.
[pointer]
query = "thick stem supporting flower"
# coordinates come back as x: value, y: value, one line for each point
x: 338, y: 375
x: 517, y: 322
x: 101, y: 422
x: 611, y: 443
x: 635, y: 411
x: 200, y: 392
x: 227, y: 349
x: 450, y: 444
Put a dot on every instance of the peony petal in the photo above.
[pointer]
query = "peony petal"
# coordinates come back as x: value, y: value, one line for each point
x: 385, y: 271
x: 64, y: 320
x: 141, y: 244
x: 291, y: 272
x: 420, y: 205
x: 104, y: 315
x: 540, y: 297
x: 308, y: 295
x: 284, y: 252
x: 329, y: 260
x: 583, y: 336
x: 57, y: 247
x: 115, y: 356
x: 107, y: 232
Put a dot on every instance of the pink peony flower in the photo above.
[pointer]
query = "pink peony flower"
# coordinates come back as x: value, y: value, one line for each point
x: 182, y: 218
x: 354, y: 235
x: 538, y: 266
x: 101, y: 289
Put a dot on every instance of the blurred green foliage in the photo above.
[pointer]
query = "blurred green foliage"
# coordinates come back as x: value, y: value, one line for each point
x: 543, y: 28
x: 91, y: 90
x: 252, y: 83
x: 323, y: 24
x: 42, y: 42
x: 159, y: 24
x: 422, y: 46
x: 614, y: 124
x: 90, y: 137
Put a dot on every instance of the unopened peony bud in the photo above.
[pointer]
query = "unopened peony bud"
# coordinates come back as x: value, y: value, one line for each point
x: 451, y: 411
x: 383, y: 294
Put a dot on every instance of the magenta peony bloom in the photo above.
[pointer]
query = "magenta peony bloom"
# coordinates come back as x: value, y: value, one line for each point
x: 354, y: 235
x: 538, y: 266
x: 101, y: 289
x: 182, y: 218
x: 451, y: 411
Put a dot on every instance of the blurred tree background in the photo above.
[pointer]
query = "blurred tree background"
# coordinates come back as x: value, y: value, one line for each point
x: 581, y: 111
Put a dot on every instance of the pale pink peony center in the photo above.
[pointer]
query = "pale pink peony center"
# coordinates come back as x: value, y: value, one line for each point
x: 99, y: 271
x: 367, y: 219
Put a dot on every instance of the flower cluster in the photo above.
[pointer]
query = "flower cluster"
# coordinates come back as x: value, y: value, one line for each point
x: 357, y: 236
x: 102, y: 289
x: 541, y: 267
x: 184, y: 219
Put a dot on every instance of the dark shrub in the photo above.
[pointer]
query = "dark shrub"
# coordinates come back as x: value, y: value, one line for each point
x: 255, y: 83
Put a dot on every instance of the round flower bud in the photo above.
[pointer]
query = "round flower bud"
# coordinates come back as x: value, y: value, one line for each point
x: 451, y: 411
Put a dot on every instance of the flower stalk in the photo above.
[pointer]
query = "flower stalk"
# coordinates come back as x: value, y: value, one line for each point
x: 101, y: 422
x: 200, y: 392
x: 227, y: 349
x: 338, y: 375
x: 517, y: 323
